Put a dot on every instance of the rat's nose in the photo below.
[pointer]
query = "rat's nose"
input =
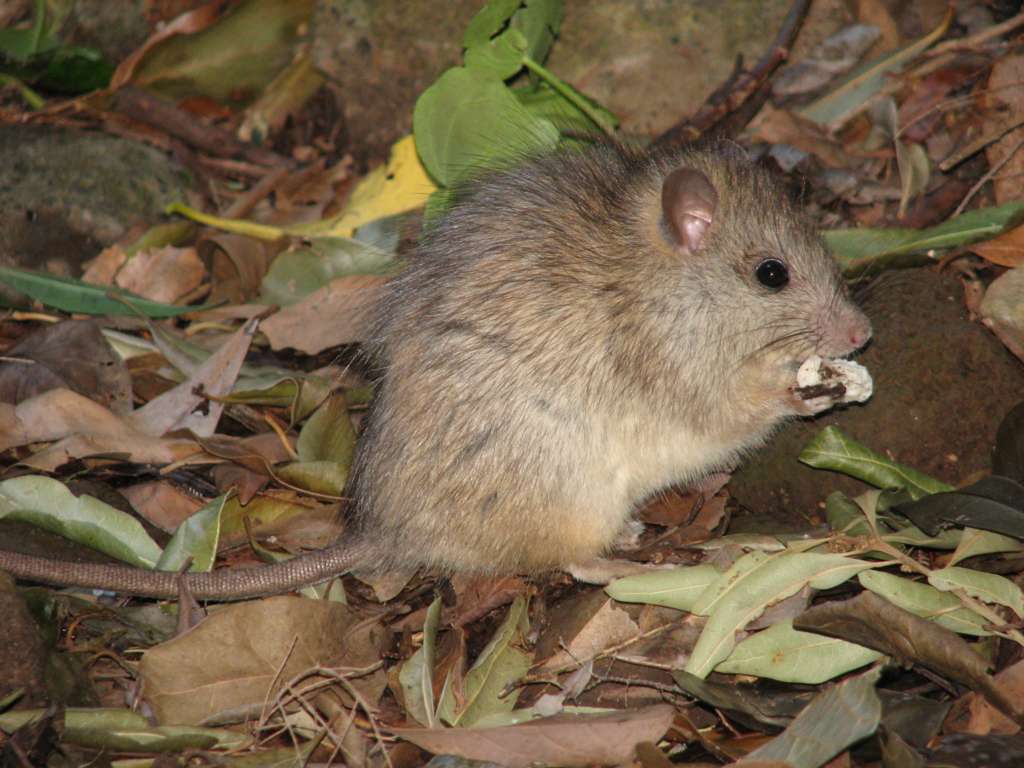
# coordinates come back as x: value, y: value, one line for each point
x: 859, y: 331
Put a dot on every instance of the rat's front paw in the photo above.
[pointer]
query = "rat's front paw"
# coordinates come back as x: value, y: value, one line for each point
x: 823, y: 383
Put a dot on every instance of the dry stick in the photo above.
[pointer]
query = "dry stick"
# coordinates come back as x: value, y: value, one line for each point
x: 261, y: 189
x: 978, y: 144
x: 984, y: 35
x: 987, y: 177
x: 173, y: 121
x: 740, y: 87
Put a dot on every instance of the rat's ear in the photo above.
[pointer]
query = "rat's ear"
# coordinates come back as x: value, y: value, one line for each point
x: 688, y: 203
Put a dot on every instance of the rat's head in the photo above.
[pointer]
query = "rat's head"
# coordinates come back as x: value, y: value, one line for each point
x: 760, y: 264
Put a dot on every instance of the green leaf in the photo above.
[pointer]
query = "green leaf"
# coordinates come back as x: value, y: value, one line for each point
x: 676, y: 588
x: 72, y: 295
x: 923, y: 600
x: 121, y: 730
x: 539, y: 23
x: 467, y: 122
x: 974, y: 543
x: 489, y: 21
x: 862, y: 250
x: 297, y: 273
x: 783, y: 653
x: 49, y: 504
x: 501, y: 662
x: 328, y: 434
x: 197, y: 537
x: 753, y: 583
x: 988, y: 587
x: 500, y: 58
x: 416, y: 676
x: 326, y: 477
x: 831, y: 449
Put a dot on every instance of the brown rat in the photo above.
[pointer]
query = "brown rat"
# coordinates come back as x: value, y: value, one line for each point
x: 574, y: 335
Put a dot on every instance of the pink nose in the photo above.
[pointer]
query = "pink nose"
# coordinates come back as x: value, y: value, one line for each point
x: 860, y: 332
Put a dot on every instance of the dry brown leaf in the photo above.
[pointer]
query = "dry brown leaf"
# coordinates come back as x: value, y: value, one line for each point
x: 1002, y: 310
x: 84, y: 428
x: 582, y: 629
x: 779, y: 126
x: 161, y: 503
x: 72, y: 355
x: 103, y: 269
x: 1006, y: 107
x: 222, y: 664
x: 568, y: 740
x: 971, y: 713
x: 162, y: 274
x: 335, y: 314
x: 1007, y: 249
x: 479, y: 595
x: 187, y: 406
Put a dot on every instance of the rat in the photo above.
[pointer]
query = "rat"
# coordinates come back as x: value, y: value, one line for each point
x: 576, y: 333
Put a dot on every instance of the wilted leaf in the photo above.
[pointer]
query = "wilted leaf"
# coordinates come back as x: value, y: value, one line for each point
x: 73, y: 354
x: 874, y: 622
x: 831, y: 449
x: 606, y: 626
x: 162, y: 274
x: 566, y: 740
x: 222, y: 664
x: 836, y: 719
x: 1006, y: 250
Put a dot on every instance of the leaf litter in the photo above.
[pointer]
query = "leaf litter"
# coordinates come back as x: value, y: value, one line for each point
x: 215, y: 388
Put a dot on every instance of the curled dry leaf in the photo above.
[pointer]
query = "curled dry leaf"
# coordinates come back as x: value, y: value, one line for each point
x: 82, y: 428
x: 74, y: 355
x: 874, y: 622
x: 1003, y: 311
x: 568, y: 740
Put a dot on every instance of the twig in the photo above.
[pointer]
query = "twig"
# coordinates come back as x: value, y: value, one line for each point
x: 997, y: 30
x: 740, y: 88
x: 987, y: 177
x: 978, y: 144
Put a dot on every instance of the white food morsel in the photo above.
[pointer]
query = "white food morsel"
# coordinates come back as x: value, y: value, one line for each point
x: 853, y: 376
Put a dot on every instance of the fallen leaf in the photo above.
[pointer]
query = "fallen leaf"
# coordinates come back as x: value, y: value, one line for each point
x: 1007, y: 249
x: 162, y: 274
x: 73, y: 354
x: 335, y: 314
x: 568, y: 740
x: 223, y: 665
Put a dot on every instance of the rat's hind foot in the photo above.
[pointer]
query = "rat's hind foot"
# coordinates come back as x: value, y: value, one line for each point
x: 600, y: 570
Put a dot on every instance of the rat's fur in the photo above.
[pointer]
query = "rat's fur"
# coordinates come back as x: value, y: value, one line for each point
x: 553, y: 356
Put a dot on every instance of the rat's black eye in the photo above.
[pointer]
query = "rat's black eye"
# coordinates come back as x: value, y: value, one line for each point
x: 772, y: 273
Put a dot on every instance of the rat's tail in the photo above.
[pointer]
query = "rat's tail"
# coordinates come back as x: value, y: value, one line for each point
x: 223, y: 584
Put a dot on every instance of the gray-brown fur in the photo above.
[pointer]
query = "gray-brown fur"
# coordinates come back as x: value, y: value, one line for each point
x: 554, y: 355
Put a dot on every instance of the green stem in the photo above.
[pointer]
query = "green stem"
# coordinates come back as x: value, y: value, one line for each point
x: 568, y: 93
